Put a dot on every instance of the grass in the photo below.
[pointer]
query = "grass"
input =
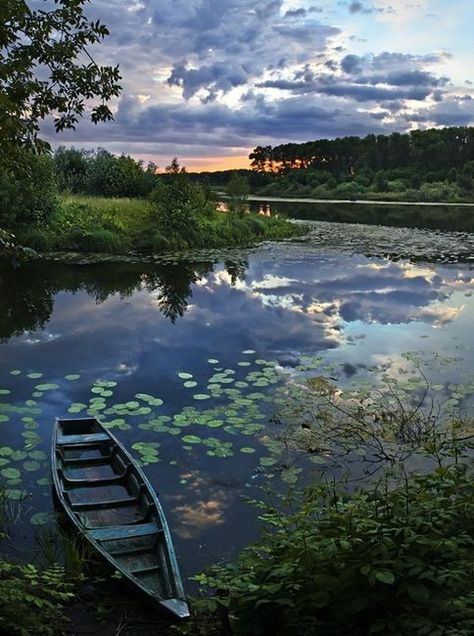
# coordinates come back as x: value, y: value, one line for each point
x: 98, y: 224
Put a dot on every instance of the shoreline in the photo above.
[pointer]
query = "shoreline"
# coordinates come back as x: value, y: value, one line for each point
x: 271, y: 199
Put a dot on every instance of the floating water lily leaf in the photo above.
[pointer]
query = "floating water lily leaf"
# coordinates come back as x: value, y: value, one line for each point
x: 248, y: 352
x: 19, y: 455
x: 191, y: 439
x: 247, y: 450
x: 34, y: 376
x: 132, y: 405
x: 15, y: 495
x: 185, y: 376
x: 201, y: 396
x: 4, y: 418
x: 47, y: 387
x: 268, y: 461
x: 31, y: 466
x: 6, y: 451
x: 72, y: 376
x: 213, y: 361
x: 243, y: 364
x: 190, y: 384
x: 15, y: 372
x: 144, y: 397
x: 5, y: 392
x: 41, y: 518
x: 106, y: 384
x: 214, y: 423
x: 290, y: 475
x: 43, y: 481
x: 10, y: 473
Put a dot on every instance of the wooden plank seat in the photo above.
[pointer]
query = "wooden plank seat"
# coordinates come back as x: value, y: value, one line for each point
x: 112, y: 533
x: 87, y: 438
x: 107, y: 503
x: 97, y: 481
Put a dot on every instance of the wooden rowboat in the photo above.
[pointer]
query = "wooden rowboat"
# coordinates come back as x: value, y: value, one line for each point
x: 109, y: 499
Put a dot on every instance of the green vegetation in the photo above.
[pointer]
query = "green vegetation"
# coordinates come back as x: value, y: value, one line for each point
x: 32, y: 601
x: 178, y: 214
x: 429, y: 165
x: 383, y: 560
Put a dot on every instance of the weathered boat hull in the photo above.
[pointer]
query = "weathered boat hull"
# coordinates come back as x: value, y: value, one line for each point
x: 110, y: 501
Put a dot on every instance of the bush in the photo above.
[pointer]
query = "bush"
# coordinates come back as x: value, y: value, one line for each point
x: 378, y: 561
x: 31, y: 602
x: 28, y: 195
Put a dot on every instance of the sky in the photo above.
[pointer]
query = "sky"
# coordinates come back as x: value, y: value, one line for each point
x: 208, y: 80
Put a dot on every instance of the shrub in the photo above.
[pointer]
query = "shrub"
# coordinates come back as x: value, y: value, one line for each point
x: 378, y: 561
x: 27, y: 195
x: 31, y: 602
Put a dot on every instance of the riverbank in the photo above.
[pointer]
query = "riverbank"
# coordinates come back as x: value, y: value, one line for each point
x: 84, y: 224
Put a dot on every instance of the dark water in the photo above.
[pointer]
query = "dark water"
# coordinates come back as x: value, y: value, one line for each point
x: 449, y: 218
x: 236, y: 328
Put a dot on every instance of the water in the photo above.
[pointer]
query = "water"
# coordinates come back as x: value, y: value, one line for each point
x: 162, y: 331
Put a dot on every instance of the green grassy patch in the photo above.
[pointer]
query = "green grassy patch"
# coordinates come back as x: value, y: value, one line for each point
x: 117, y: 226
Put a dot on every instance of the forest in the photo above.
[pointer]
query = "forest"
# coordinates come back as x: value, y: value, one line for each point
x: 425, y: 165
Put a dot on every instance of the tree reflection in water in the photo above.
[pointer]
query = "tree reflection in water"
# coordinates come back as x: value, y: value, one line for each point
x: 27, y: 293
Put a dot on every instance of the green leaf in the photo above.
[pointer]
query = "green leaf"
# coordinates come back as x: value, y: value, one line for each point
x: 418, y: 592
x: 384, y: 576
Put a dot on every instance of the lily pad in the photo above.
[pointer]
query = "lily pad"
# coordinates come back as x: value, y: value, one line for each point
x: 34, y: 376
x: 185, y: 376
x: 201, y: 396
x: 10, y: 473
x: 72, y: 376
x: 191, y: 439
x: 31, y: 466
x: 47, y: 387
x: 248, y: 450
x: 41, y: 518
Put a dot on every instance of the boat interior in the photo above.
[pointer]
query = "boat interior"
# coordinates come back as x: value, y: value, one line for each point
x: 111, y: 502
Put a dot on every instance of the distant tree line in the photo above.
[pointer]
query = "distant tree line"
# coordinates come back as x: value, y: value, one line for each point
x: 435, y: 164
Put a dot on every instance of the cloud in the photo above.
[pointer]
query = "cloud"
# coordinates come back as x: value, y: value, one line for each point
x: 222, y: 77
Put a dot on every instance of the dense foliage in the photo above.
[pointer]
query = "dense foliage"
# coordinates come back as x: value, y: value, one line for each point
x: 427, y: 165
x: 383, y: 560
x: 42, y: 74
x: 102, y: 173
x: 31, y: 601
x: 27, y: 197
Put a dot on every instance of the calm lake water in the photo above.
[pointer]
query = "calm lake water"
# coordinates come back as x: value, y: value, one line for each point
x: 182, y: 359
